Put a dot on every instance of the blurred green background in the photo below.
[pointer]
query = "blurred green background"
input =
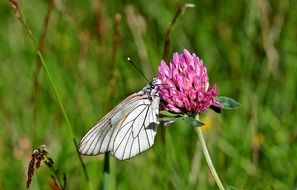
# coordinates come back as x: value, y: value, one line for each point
x: 248, y: 46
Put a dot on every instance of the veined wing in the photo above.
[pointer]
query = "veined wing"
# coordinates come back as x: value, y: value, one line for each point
x: 126, y: 131
x: 136, y: 133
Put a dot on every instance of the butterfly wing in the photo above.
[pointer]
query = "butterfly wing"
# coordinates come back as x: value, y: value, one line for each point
x: 126, y: 131
x: 136, y: 132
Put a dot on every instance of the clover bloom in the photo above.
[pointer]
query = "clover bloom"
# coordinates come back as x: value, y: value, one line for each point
x: 184, y: 85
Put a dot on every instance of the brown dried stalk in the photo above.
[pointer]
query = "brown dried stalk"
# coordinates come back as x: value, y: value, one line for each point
x: 115, y: 46
x: 18, y: 13
x: 137, y: 24
x: 39, y: 155
x: 167, y: 43
x: 271, y: 28
x: 38, y: 63
x: 100, y: 25
x: 167, y: 40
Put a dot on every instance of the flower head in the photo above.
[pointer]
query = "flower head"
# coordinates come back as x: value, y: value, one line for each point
x: 184, y: 85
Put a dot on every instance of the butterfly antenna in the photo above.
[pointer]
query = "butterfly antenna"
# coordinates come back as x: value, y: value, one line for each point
x: 129, y: 59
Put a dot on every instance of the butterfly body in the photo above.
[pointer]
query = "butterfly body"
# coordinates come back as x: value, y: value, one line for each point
x: 128, y: 129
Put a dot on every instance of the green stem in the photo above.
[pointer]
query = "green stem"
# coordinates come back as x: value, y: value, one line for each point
x: 56, y: 94
x: 63, y: 111
x: 106, y: 172
x: 208, y: 159
x: 20, y: 17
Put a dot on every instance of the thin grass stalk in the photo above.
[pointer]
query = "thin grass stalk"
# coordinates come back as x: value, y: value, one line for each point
x: 56, y: 94
x: 82, y: 163
x: 15, y: 6
x: 68, y: 124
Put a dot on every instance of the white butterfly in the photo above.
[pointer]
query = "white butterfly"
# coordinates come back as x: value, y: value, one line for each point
x: 128, y: 129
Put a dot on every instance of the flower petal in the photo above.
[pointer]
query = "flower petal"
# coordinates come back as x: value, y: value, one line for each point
x: 185, y: 85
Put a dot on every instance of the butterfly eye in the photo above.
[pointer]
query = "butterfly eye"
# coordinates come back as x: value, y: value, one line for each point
x: 152, y: 86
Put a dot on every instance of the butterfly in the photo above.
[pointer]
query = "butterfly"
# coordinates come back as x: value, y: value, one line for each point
x: 129, y: 128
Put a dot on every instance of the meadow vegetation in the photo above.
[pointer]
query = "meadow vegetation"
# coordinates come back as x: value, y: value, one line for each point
x: 248, y: 46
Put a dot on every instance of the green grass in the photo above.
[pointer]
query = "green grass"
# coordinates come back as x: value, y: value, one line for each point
x: 254, y: 147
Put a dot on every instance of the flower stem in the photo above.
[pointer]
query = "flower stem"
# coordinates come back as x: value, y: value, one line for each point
x: 208, y: 159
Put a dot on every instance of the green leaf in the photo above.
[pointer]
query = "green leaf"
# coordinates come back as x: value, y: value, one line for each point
x: 192, y: 121
x: 231, y: 188
x: 228, y: 103
x: 167, y: 119
x: 170, y: 114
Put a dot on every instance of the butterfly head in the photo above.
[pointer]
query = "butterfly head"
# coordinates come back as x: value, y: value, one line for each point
x: 151, y: 89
